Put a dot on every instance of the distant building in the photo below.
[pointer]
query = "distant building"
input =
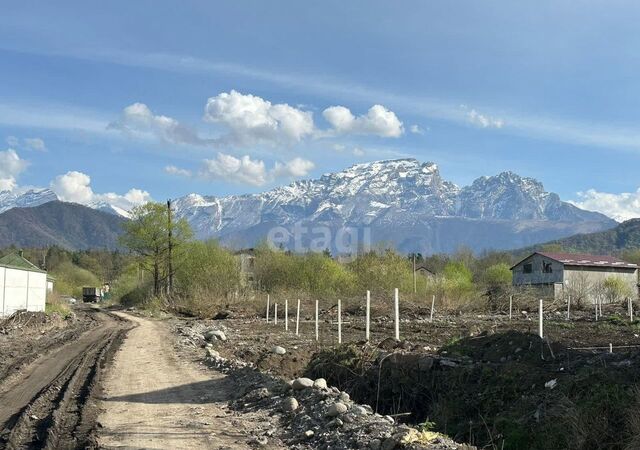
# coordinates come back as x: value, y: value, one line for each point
x: 557, y: 274
x: 247, y: 258
x: 23, y: 286
x: 423, y: 270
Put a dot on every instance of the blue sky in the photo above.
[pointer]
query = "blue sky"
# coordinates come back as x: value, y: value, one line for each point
x: 131, y: 100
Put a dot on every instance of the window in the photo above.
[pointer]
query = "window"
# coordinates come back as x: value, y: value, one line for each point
x: 527, y: 268
x: 547, y: 267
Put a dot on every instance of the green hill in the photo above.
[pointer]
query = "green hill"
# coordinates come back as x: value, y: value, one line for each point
x: 67, y: 225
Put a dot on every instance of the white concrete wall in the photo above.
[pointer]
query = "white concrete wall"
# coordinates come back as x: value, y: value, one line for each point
x: 22, y: 289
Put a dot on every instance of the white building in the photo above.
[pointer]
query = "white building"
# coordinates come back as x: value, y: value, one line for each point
x: 22, y: 285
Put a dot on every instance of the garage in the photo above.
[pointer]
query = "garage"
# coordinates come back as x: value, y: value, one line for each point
x: 23, y: 286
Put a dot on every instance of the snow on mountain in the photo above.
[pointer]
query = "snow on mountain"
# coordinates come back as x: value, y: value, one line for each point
x: 403, y: 202
x: 30, y: 198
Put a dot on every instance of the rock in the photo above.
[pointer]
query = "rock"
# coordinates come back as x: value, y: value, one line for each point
x: 335, y: 423
x: 212, y: 353
x: 309, y: 434
x: 290, y: 404
x: 551, y: 383
x: 344, y: 397
x: 336, y: 409
x: 389, y: 419
x: 260, y: 441
x: 320, y: 383
x: 375, y: 444
x: 302, y: 383
x: 389, y: 444
x: 359, y: 411
x: 277, y: 350
x: 215, y: 335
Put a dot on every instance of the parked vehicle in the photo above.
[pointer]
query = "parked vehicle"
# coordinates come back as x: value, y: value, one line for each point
x: 91, y: 294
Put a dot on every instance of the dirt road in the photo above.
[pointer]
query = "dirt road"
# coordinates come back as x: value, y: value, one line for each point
x: 154, y: 399
x: 48, y: 403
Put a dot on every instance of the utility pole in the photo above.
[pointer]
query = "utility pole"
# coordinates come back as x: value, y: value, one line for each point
x: 170, y: 249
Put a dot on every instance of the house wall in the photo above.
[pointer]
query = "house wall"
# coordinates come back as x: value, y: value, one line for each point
x: 22, y: 289
x: 593, y: 276
x: 537, y: 276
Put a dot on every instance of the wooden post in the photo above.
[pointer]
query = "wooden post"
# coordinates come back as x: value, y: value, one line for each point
x: 268, y: 300
x: 298, y: 317
x: 368, y: 316
x: 317, y: 330
x: 569, y: 308
x: 275, y: 314
x: 396, y: 308
x: 339, y: 321
x: 541, y: 320
x: 433, y: 305
x: 286, y: 315
x: 510, y: 305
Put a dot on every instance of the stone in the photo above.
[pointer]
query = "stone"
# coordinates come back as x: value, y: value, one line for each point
x: 375, y: 444
x: 359, y: 411
x: 277, y: 350
x: 320, y: 383
x: 336, y: 409
x: 302, y: 383
x: 309, y: 434
x: 344, y: 397
x: 212, y: 353
x: 290, y: 404
x: 215, y: 335
x: 260, y: 441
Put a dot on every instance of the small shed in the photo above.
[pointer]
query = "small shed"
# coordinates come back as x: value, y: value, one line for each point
x: 423, y: 270
x: 23, y: 286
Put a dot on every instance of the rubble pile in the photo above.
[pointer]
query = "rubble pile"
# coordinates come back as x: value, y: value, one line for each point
x: 314, y: 415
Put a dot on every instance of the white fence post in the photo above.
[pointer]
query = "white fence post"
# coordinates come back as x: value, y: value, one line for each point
x: 339, y: 321
x: 268, y: 300
x: 317, y: 330
x: 275, y: 314
x: 298, y: 317
x: 368, y: 316
x: 569, y: 308
x: 541, y: 320
x: 596, y: 303
x: 631, y: 309
x: 286, y: 315
x: 610, y: 348
x: 510, y: 305
x: 396, y: 308
x: 433, y: 305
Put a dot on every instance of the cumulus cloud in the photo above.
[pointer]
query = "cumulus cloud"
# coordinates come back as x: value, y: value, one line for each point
x: 138, y: 119
x: 11, y: 165
x: 620, y: 207
x: 245, y: 170
x: 378, y: 121
x: 484, y: 121
x: 251, y: 119
x: 173, y: 170
x: 76, y: 187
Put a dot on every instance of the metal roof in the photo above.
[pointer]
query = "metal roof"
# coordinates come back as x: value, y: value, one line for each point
x: 15, y: 261
x: 585, y: 260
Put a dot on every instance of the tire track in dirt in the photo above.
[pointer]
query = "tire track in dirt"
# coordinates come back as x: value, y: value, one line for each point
x: 52, y: 403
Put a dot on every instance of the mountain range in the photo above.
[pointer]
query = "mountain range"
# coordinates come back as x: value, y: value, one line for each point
x: 403, y: 203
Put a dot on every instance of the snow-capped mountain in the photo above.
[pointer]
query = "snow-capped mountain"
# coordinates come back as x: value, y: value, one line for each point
x: 401, y: 202
x: 30, y: 198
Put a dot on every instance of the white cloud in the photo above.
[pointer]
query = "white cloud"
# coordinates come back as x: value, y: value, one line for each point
x: 415, y: 129
x: 378, y: 121
x: 245, y: 170
x: 173, y: 170
x: 76, y: 187
x: 484, y: 121
x: 251, y: 119
x: 138, y: 119
x: 297, y: 167
x: 620, y: 207
x: 35, y: 144
x: 11, y: 165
